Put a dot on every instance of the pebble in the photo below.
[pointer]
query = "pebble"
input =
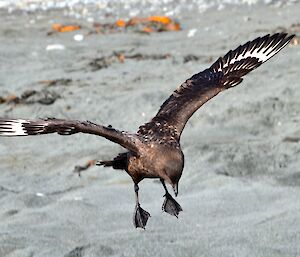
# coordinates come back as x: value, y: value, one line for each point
x: 78, y: 37
x: 55, y: 47
x: 191, y: 32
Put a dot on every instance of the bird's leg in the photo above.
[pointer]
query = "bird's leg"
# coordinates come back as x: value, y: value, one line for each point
x: 170, y: 205
x: 140, y: 216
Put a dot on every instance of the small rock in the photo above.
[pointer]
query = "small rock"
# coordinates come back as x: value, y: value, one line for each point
x: 78, y: 37
x: 191, y: 32
x: 55, y: 47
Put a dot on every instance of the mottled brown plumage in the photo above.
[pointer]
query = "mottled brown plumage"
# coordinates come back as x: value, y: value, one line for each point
x: 154, y: 151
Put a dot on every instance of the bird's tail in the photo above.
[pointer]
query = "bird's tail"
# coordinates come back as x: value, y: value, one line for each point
x: 119, y: 162
x: 245, y: 58
x: 105, y: 163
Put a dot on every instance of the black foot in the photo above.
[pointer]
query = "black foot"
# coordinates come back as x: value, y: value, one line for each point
x: 140, y: 217
x: 171, y: 206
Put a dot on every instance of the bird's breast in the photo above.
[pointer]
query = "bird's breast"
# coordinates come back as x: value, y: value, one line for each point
x: 154, y: 162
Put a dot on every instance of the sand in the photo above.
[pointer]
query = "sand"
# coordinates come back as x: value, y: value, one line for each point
x: 241, y: 184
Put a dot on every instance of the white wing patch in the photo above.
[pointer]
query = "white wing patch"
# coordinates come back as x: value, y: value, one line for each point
x: 261, y: 54
x: 259, y: 50
x: 13, y: 127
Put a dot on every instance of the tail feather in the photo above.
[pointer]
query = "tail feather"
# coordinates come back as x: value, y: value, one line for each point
x: 119, y: 162
x: 105, y: 163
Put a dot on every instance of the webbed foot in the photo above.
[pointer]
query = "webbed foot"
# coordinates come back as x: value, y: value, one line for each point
x: 140, y: 217
x: 171, y: 206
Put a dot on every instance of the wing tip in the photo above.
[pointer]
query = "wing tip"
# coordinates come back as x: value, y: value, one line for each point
x: 290, y: 37
x: 12, y: 127
x: 255, y: 51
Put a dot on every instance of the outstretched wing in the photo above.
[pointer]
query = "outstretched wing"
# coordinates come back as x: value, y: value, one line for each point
x: 225, y: 73
x: 24, y: 127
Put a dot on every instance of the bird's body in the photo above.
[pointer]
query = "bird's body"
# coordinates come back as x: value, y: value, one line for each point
x: 154, y: 150
x: 156, y: 161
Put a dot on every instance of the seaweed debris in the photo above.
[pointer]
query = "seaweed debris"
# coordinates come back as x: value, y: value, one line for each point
x: 120, y: 57
x: 145, y: 25
x: 44, y: 97
x: 57, y: 27
x: 79, y: 168
x: 56, y: 82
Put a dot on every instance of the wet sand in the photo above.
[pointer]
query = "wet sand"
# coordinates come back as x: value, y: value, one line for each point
x: 240, y: 187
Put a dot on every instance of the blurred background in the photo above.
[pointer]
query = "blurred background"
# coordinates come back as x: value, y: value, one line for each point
x: 114, y: 63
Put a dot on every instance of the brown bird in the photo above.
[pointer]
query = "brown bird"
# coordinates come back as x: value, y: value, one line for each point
x: 154, y: 150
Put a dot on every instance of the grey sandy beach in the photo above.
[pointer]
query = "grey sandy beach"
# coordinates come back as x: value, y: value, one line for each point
x: 240, y: 190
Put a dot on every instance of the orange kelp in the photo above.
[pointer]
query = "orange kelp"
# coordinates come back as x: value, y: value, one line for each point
x: 64, y: 28
x: 150, y: 24
x: 78, y: 168
x: 143, y: 25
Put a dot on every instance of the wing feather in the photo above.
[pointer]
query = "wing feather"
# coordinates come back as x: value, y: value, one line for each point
x: 24, y: 127
x: 225, y: 73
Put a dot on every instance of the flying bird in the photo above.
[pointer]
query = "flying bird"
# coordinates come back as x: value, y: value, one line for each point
x: 154, y: 150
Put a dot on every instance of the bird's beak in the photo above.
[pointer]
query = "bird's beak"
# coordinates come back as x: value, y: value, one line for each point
x: 175, y: 188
